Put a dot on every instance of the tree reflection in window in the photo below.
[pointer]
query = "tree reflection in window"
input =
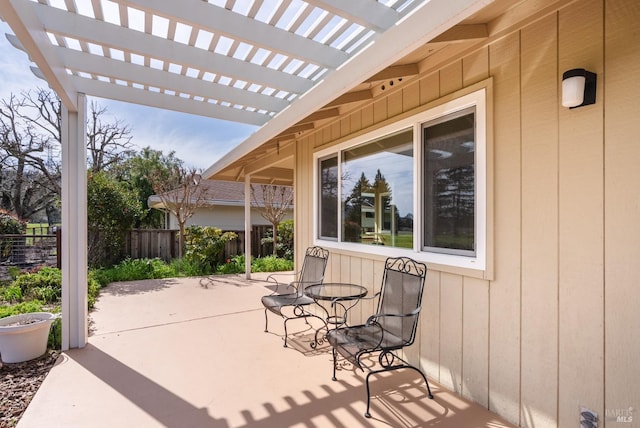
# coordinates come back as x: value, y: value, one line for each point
x: 377, y: 183
x: 449, y: 164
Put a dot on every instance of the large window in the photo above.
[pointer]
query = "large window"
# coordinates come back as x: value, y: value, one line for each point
x: 417, y: 187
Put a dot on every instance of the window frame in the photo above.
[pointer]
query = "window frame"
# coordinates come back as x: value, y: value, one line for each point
x: 477, y: 97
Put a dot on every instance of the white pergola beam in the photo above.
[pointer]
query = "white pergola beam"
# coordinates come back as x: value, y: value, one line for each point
x: 110, y: 35
x: 27, y: 27
x: 167, y: 102
x: 202, y: 14
x: 99, y: 65
x: 368, y: 13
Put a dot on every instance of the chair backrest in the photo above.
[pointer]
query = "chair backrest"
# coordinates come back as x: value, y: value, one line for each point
x: 401, y: 293
x: 313, y: 267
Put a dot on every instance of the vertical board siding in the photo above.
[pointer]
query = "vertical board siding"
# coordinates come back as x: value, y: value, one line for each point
x: 430, y: 326
x: 622, y: 208
x: 539, y: 340
x: 540, y: 98
x: 451, y: 329
x: 475, y: 340
x: 504, y: 291
x: 581, y: 223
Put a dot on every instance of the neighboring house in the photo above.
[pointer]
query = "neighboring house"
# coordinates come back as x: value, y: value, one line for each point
x: 223, y: 207
x: 526, y: 211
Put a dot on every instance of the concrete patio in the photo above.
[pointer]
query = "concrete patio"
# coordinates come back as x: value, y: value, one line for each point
x: 192, y: 353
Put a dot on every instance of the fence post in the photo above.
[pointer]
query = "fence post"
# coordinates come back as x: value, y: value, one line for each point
x: 59, y: 247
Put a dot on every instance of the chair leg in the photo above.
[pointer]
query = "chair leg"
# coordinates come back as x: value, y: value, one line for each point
x: 335, y: 363
x: 266, y: 321
x: 367, y: 414
x: 285, y: 332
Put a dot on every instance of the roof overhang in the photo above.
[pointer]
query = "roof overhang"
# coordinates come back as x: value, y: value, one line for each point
x: 281, y: 65
x: 426, y: 23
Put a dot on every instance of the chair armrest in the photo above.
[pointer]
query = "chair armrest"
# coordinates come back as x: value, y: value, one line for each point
x: 285, y: 286
x: 373, y: 318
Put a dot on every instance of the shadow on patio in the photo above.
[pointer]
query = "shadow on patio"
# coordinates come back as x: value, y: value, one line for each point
x: 193, y: 354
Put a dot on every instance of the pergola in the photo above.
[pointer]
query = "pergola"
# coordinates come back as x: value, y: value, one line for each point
x: 280, y: 64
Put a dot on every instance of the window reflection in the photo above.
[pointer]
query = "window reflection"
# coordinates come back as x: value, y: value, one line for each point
x: 377, y: 192
x: 329, y: 198
x: 449, y: 187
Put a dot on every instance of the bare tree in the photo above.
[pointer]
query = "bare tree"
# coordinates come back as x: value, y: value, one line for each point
x: 274, y: 202
x: 29, y: 148
x: 30, y: 142
x: 108, y: 143
x: 179, y: 189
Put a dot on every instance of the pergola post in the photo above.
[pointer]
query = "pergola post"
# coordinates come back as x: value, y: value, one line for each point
x: 74, y: 226
x: 247, y: 226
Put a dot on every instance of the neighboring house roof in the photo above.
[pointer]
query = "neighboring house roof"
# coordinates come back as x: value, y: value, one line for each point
x: 219, y: 192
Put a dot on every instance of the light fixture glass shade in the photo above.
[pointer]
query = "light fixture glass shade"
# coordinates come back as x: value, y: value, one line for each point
x: 573, y: 91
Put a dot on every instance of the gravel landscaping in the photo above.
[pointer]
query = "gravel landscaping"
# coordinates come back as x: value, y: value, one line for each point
x: 19, y: 383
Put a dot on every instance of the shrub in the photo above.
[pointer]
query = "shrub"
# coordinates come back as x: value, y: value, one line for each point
x: 184, y: 267
x: 44, y: 285
x: 9, y: 225
x: 112, y: 209
x: 285, y: 239
x: 271, y: 264
x: 233, y: 265
x: 12, y: 293
x: 259, y: 264
x: 21, y: 308
x: 133, y: 270
x: 205, y: 246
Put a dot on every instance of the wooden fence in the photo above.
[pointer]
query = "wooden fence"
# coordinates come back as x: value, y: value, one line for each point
x: 164, y: 244
x: 31, y: 250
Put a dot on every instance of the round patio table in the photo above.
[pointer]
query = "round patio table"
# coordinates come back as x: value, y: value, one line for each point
x: 342, y: 296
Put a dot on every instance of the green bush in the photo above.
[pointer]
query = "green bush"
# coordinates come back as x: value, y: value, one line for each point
x: 233, y: 265
x: 285, y: 239
x: 44, y: 285
x: 9, y: 225
x: 205, y: 246
x: 112, y: 209
x: 184, y: 267
x: 259, y: 264
x: 11, y: 293
x: 21, y: 308
x: 93, y: 290
x: 270, y: 264
x: 133, y: 270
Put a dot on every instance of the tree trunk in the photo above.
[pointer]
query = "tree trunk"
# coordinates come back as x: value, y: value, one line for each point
x: 275, y: 239
x: 181, y: 245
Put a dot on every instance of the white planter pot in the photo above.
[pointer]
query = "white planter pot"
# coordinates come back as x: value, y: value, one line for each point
x: 21, y: 341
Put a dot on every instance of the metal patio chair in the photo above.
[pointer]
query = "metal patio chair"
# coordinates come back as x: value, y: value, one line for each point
x: 392, y: 328
x: 291, y: 295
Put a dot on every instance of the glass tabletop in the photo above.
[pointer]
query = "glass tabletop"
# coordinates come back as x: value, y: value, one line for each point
x: 335, y: 290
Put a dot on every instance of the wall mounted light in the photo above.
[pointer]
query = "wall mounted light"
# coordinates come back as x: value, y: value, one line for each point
x: 578, y: 88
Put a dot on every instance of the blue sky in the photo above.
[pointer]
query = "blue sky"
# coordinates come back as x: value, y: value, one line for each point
x: 199, y: 141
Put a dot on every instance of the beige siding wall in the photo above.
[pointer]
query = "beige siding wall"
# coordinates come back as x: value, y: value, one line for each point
x: 556, y: 327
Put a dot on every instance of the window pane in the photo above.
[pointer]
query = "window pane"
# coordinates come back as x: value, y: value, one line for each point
x: 377, y: 192
x: 329, y: 198
x: 449, y: 164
